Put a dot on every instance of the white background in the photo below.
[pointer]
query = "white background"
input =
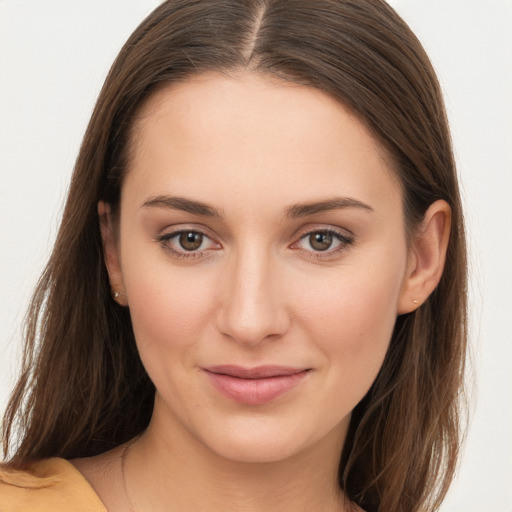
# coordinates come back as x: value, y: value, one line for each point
x: 54, y: 55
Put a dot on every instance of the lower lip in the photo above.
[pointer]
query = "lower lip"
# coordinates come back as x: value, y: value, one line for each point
x: 255, y: 391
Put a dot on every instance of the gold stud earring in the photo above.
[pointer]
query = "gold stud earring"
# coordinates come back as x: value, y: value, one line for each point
x: 414, y: 301
x: 116, y: 294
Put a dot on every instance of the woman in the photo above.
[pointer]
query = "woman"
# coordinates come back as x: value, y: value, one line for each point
x: 258, y: 288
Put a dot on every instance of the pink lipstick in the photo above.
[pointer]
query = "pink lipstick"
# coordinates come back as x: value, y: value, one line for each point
x: 254, y: 386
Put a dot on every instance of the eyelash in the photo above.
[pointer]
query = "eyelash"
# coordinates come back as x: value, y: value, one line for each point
x: 344, y: 240
x: 165, y: 242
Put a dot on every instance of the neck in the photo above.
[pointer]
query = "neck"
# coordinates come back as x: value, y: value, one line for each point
x: 179, y: 470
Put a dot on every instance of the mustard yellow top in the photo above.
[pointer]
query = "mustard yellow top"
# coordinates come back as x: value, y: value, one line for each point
x: 50, y: 485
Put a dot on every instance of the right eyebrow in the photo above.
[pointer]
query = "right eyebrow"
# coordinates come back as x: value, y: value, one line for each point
x: 180, y: 203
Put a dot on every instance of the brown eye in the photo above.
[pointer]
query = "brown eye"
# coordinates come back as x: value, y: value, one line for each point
x: 190, y: 240
x: 320, y: 241
x: 188, y: 243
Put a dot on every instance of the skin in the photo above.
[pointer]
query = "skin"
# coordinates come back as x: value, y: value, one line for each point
x: 258, y: 291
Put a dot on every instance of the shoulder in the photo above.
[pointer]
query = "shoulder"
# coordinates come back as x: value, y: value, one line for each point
x: 49, y: 485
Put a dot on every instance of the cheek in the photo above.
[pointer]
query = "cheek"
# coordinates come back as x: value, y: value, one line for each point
x: 359, y: 302
x: 169, y: 312
x: 168, y: 306
x: 351, y: 318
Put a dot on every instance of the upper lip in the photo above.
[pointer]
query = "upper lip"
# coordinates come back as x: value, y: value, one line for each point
x: 257, y: 372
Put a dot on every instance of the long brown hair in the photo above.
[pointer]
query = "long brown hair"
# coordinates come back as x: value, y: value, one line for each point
x: 83, y: 389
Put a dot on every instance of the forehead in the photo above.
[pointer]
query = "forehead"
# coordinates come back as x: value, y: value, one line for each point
x: 256, y: 134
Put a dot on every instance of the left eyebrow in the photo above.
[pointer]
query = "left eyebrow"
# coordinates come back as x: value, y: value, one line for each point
x: 335, y: 203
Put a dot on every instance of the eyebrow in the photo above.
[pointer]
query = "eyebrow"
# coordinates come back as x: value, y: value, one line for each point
x: 183, y: 204
x: 294, y: 211
x: 335, y: 203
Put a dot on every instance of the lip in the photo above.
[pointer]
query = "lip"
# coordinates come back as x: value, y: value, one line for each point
x: 255, y: 386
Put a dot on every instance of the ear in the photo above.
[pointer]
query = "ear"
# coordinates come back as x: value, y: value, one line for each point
x: 426, y: 258
x: 111, y: 253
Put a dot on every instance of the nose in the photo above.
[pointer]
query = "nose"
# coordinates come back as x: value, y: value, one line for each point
x: 253, y: 305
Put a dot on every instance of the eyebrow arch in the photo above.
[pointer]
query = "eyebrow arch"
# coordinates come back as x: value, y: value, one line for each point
x: 335, y: 203
x: 294, y: 211
x: 180, y: 203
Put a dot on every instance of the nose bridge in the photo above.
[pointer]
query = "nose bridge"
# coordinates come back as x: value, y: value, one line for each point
x: 252, y: 309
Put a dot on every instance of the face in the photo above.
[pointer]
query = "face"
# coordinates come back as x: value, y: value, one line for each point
x: 262, y: 255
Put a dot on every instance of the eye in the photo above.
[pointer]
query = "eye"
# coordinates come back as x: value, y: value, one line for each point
x: 187, y: 243
x: 325, y: 241
x: 190, y: 240
x: 320, y: 241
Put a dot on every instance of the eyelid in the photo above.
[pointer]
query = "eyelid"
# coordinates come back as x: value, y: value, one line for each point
x: 175, y: 229
x: 171, y: 233
x: 344, y: 236
x: 315, y: 228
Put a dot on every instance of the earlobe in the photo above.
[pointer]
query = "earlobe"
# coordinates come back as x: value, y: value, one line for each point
x: 111, y: 253
x: 427, y: 258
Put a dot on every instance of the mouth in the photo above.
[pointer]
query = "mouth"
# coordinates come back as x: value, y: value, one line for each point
x: 255, y: 386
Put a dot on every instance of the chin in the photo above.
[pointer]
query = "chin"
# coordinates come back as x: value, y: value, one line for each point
x: 268, y: 440
x: 259, y: 451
